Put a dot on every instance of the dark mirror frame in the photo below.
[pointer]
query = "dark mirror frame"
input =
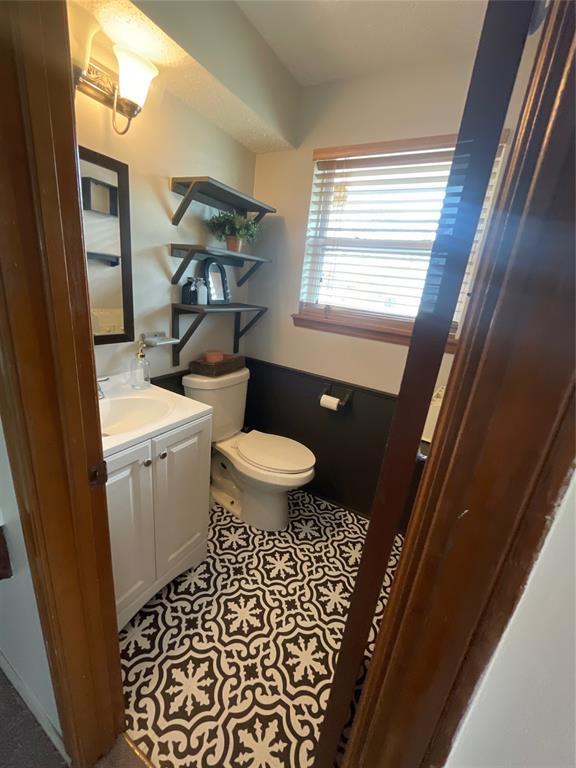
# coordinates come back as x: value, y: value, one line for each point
x: 121, y: 170
x: 209, y: 264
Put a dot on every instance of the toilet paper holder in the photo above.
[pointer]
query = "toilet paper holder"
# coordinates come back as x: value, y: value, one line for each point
x: 343, y: 399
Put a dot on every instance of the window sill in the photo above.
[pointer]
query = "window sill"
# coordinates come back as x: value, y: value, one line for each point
x: 388, y: 330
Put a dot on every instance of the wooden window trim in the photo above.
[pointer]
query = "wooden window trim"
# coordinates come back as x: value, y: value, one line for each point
x: 390, y: 329
x: 364, y: 325
x: 383, y: 147
x: 353, y: 151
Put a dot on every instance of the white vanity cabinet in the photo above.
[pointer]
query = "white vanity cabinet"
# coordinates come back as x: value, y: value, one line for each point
x: 131, y: 521
x: 158, y: 506
x: 181, y: 484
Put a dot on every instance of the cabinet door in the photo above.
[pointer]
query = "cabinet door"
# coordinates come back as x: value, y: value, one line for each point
x: 131, y: 519
x: 181, y: 496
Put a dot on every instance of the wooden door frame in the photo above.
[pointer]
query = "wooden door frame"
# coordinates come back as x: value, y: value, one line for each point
x: 504, y: 32
x: 49, y: 406
x: 471, y: 567
x: 48, y: 399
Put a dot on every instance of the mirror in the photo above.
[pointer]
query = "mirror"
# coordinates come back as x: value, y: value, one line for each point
x: 216, y: 282
x: 106, y: 221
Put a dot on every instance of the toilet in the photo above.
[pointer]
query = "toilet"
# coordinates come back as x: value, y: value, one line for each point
x: 251, y: 472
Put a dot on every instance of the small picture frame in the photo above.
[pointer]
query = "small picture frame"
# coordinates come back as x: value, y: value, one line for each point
x: 99, y: 196
x: 216, y: 282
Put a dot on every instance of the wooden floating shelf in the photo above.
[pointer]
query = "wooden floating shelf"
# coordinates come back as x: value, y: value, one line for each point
x: 209, y: 191
x: 201, y: 311
x: 105, y: 258
x: 201, y: 252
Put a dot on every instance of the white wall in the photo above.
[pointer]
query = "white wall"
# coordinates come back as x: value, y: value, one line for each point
x: 399, y: 105
x: 167, y: 139
x: 220, y: 37
x: 22, y: 653
x: 523, y: 714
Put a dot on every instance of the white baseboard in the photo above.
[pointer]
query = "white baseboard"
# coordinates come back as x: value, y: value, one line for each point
x: 29, y: 698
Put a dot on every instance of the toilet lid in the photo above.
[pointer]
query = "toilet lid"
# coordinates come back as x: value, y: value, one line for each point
x: 275, y: 453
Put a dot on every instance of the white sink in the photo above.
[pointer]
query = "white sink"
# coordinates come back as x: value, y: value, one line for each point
x: 126, y: 414
x: 129, y: 416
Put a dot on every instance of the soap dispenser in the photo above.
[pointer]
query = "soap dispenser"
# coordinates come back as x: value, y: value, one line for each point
x: 140, y: 369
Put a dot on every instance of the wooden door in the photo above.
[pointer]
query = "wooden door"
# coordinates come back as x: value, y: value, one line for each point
x: 504, y: 32
x: 503, y: 448
x: 131, y: 521
x: 48, y: 396
x: 181, y: 496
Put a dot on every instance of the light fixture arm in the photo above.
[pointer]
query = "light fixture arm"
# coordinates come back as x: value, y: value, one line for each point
x: 125, y: 92
x: 115, y: 112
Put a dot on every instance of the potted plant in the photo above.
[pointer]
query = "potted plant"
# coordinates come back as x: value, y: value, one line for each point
x: 233, y: 228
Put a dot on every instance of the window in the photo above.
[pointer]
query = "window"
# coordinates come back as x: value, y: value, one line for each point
x: 374, y: 212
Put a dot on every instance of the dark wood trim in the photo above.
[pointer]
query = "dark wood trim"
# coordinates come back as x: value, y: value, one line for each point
x: 48, y: 396
x: 499, y: 52
x: 377, y: 328
x: 122, y: 171
x: 489, y: 434
x: 511, y: 581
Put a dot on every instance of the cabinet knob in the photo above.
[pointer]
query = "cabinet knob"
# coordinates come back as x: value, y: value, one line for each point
x: 163, y: 455
x: 147, y: 462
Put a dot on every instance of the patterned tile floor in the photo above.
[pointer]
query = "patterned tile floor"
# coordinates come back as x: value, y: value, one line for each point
x: 231, y: 664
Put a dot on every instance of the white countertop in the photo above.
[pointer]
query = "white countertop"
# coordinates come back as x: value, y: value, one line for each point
x: 181, y: 411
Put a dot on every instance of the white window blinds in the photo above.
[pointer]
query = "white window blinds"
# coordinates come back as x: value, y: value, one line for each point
x: 372, y: 222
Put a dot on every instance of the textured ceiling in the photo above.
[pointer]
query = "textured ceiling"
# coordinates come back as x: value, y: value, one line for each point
x: 323, y: 40
x: 122, y: 22
x: 317, y: 40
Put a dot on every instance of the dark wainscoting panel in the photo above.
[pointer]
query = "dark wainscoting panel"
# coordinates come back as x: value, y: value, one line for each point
x: 348, y: 444
x: 171, y: 381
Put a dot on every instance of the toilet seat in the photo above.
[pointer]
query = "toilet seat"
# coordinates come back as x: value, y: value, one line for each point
x: 274, y: 453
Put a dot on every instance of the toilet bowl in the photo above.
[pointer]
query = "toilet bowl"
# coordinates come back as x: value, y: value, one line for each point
x: 251, y: 472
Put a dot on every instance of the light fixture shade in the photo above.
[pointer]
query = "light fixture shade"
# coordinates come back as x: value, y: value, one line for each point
x: 134, y: 75
x: 83, y: 26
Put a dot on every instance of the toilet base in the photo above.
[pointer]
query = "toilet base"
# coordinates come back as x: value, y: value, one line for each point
x: 265, y: 511
x: 230, y: 503
x: 262, y: 507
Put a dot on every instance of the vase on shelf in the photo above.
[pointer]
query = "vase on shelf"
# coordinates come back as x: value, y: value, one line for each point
x: 233, y: 243
x: 201, y: 291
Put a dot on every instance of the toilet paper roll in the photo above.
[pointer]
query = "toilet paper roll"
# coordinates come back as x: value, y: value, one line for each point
x: 327, y: 401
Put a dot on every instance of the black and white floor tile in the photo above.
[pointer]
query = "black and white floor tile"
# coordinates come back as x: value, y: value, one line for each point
x: 231, y: 664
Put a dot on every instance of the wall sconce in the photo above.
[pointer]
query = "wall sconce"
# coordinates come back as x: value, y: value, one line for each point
x: 125, y: 94
x: 82, y: 28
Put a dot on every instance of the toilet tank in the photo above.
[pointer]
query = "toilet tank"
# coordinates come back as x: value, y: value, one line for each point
x: 227, y: 396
